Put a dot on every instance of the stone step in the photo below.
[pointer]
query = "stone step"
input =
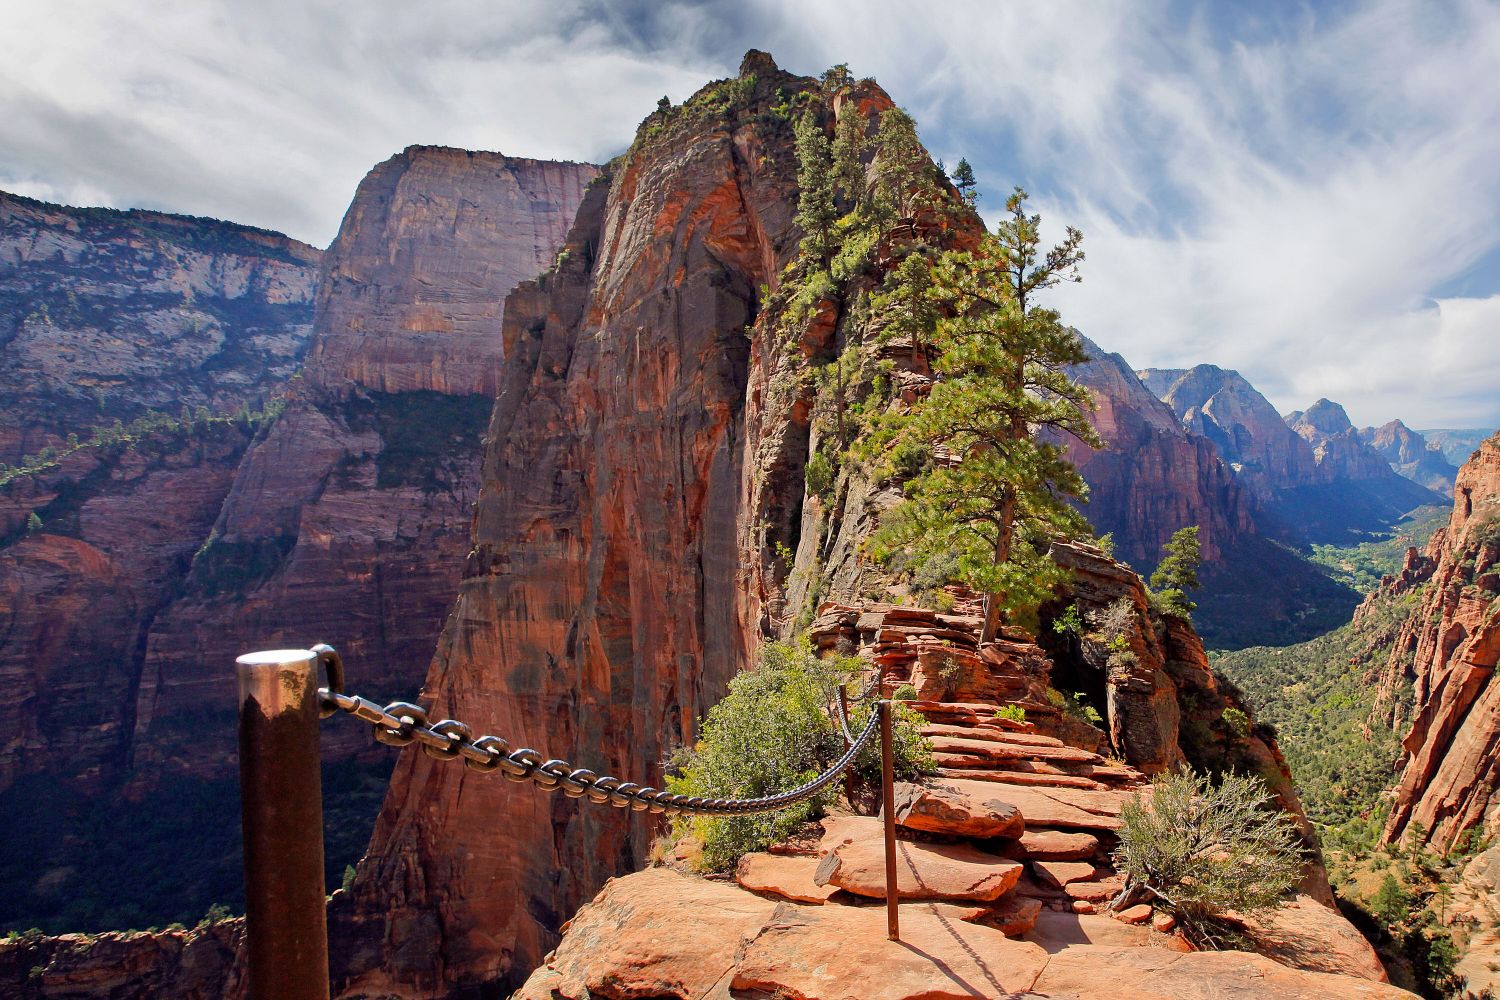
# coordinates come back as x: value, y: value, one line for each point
x: 1041, y: 844
x: 993, y: 734
x: 786, y: 876
x: 1004, y: 749
x: 1023, y: 778
x: 1063, y: 808
x: 966, y: 811
x: 923, y: 871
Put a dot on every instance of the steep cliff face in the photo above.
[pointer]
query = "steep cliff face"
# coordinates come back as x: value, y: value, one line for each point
x: 601, y: 610
x: 350, y: 520
x: 1411, y: 455
x: 109, y: 315
x: 122, y: 336
x: 1448, y: 652
x: 346, y: 521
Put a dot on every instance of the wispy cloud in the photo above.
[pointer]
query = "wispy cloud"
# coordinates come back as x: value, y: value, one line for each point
x: 1286, y: 190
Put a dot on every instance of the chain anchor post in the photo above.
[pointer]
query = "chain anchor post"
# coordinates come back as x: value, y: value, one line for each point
x: 281, y: 800
x: 888, y: 811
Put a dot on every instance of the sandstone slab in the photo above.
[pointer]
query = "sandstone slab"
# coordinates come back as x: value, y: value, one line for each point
x: 1069, y: 808
x: 788, y: 876
x: 1085, y: 972
x: 841, y: 953
x: 923, y: 871
x: 1056, y: 845
x: 618, y: 944
x: 939, y: 807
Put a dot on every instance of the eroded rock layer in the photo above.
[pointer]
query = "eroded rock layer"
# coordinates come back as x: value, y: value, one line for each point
x: 1448, y: 651
x: 109, y: 315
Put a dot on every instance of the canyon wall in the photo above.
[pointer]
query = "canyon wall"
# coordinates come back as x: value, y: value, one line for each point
x: 108, y: 315
x: 349, y: 522
x: 1447, y: 652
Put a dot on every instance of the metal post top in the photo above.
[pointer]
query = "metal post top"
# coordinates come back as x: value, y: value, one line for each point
x: 277, y: 657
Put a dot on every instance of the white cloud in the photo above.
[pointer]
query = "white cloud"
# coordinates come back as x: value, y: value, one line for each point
x: 1283, y: 192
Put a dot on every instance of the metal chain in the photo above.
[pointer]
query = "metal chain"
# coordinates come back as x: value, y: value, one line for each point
x: 400, y: 724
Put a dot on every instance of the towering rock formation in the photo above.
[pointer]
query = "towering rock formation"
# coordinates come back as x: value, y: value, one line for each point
x: 1456, y: 444
x: 109, y: 315
x: 645, y: 522
x: 1448, y: 651
x: 1225, y: 408
x: 350, y: 521
x: 1411, y: 455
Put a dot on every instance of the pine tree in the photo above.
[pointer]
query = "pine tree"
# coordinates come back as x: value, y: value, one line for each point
x: 1001, y: 401
x: 1177, y: 573
x: 33, y: 524
x: 849, y: 143
x: 815, y: 211
x: 963, y: 179
x: 906, y: 184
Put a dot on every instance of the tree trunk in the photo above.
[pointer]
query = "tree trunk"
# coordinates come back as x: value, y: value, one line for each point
x: 994, y: 601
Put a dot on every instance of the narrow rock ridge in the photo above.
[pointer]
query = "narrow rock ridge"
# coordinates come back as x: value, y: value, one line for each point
x: 1003, y: 865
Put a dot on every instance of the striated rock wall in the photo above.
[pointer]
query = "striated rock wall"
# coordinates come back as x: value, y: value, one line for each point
x: 1448, y: 652
x: 108, y: 315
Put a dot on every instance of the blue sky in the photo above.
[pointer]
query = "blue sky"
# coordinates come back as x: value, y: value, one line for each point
x: 1309, y: 193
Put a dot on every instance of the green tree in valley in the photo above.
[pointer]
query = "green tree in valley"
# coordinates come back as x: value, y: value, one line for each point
x: 995, y: 420
x: 1177, y: 573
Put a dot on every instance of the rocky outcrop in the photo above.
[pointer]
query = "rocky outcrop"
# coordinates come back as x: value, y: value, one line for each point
x: 195, y: 964
x: 602, y: 609
x: 1456, y: 444
x: 1411, y: 455
x: 1448, y: 651
x: 108, y: 315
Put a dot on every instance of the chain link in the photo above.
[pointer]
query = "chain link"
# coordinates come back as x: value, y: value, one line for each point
x: 401, y: 724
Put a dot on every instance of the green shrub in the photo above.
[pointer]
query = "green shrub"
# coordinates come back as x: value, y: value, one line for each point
x: 820, y: 475
x: 1202, y: 850
x: 772, y: 732
x: 1013, y: 712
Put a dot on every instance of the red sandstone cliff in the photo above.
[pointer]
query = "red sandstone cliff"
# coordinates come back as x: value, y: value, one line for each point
x: 1448, y: 650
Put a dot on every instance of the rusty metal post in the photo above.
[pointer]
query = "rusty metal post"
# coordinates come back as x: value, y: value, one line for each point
x: 888, y: 808
x: 281, y: 800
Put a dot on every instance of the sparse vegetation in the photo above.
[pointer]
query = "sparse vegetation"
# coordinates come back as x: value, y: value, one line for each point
x: 772, y: 732
x: 1176, y: 574
x: 1203, y: 851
